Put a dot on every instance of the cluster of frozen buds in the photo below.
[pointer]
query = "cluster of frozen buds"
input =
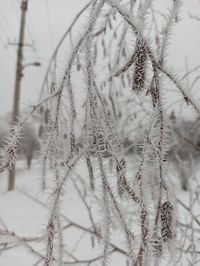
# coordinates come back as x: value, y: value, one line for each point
x: 140, y: 66
x: 166, y: 216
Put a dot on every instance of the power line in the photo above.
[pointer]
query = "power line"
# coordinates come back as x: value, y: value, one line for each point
x: 31, y: 24
x: 34, y: 34
x: 33, y: 38
x: 16, y: 4
x: 6, y: 23
x: 28, y: 23
x: 49, y: 22
x: 15, y: 8
x: 6, y: 31
x: 3, y: 45
x: 8, y: 34
x: 6, y: 26
x: 30, y: 34
x: 28, y: 28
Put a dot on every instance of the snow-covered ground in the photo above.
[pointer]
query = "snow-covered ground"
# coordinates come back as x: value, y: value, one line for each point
x: 24, y: 212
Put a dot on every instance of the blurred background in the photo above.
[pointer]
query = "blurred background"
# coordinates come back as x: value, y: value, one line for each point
x: 45, y: 24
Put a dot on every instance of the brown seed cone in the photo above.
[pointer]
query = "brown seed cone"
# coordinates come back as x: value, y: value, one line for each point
x: 166, y: 214
x: 140, y: 66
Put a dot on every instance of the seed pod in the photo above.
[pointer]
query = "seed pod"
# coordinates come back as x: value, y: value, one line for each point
x: 104, y: 52
x: 128, y: 78
x: 123, y: 81
x: 46, y: 116
x: 72, y: 142
x: 140, y: 66
x: 123, y: 52
x: 41, y: 109
x: 105, y: 28
x: 110, y: 24
x: 121, y: 168
x: 157, y: 40
x: 109, y: 67
x: 176, y: 15
x: 120, y: 186
x: 102, y: 43
x: 95, y: 54
x: 166, y: 215
x: 92, y: 241
x: 78, y: 67
x: 104, y: 47
x: 144, y: 226
x: 53, y: 87
x: 40, y: 131
x: 91, y: 173
x: 154, y: 89
x: 157, y: 247
x: 98, y: 231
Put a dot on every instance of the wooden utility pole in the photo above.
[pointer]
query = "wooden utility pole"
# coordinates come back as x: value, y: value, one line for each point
x: 15, y: 113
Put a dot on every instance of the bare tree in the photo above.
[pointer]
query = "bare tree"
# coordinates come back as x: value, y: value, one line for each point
x: 112, y: 56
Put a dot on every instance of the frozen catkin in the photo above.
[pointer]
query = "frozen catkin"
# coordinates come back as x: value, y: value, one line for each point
x: 167, y: 221
x: 90, y: 171
x: 97, y: 141
x: 46, y: 116
x: 140, y: 66
x: 156, y: 246
x: 121, y: 168
x: 40, y: 131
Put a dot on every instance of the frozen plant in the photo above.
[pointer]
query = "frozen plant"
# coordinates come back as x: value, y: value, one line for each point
x: 114, y: 53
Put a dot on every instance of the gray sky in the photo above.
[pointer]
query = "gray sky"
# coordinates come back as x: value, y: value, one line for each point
x: 47, y: 20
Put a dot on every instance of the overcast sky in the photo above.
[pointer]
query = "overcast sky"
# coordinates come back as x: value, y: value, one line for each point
x: 47, y: 20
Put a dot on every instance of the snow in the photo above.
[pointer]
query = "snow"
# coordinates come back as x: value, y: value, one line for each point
x: 27, y: 217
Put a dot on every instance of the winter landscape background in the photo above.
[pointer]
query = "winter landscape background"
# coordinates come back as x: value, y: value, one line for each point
x: 106, y: 143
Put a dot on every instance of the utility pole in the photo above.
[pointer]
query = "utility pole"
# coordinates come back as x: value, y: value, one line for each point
x: 15, y: 113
